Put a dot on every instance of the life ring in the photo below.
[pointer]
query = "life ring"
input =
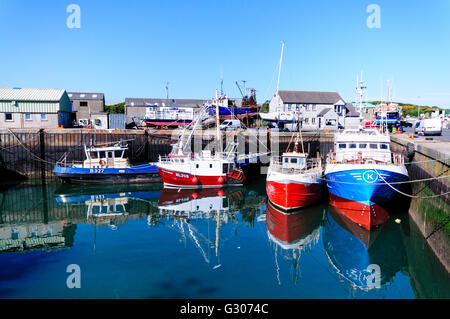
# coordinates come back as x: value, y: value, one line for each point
x: 102, y: 163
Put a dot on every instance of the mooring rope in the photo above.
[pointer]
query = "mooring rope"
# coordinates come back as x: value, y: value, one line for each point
x: 411, y: 196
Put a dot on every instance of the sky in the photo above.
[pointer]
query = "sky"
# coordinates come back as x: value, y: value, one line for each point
x: 132, y: 48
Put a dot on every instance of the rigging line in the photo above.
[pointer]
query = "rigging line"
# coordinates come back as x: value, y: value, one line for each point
x: 407, y: 195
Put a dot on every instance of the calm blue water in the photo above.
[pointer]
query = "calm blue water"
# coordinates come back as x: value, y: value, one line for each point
x: 145, y: 242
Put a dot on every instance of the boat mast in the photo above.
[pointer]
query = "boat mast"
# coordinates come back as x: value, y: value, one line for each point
x: 218, y: 136
x: 281, y: 61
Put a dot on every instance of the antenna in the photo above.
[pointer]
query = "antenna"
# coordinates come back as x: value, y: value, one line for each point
x: 361, y: 89
x: 221, y: 87
x: 167, y: 91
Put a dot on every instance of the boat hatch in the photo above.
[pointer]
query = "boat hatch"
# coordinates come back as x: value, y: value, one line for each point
x: 294, y: 160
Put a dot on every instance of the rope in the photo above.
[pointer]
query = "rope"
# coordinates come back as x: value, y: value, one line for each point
x: 412, y: 196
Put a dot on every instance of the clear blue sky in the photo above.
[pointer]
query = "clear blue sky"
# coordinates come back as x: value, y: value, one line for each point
x: 131, y: 48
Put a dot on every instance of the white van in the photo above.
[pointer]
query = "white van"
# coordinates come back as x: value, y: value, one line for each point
x: 429, y: 127
x: 230, y: 125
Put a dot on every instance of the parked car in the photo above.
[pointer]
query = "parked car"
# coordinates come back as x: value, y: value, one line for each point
x: 230, y: 125
x: 429, y: 127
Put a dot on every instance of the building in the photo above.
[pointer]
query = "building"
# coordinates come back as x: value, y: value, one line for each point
x: 367, y: 110
x: 319, y: 110
x: 85, y: 104
x: 136, y: 108
x: 34, y: 108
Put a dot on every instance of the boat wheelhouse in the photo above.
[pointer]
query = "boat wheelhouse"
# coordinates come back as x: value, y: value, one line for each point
x: 362, y: 173
x: 105, y: 164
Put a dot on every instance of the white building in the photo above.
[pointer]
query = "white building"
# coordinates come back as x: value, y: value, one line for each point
x: 318, y: 110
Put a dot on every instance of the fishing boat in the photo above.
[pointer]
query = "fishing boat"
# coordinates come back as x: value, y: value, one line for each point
x: 105, y: 164
x: 185, y: 169
x: 295, y: 181
x: 362, y: 173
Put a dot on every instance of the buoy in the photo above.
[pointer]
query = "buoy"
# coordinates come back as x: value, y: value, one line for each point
x: 221, y: 192
x: 194, y: 180
x: 220, y: 179
x: 194, y: 195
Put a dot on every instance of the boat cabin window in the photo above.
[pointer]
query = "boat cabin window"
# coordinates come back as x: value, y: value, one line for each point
x: 102, y: 154
x: 225, y: 168
x: 384, y: 146
x: 94, y: 155
x: 362, y: 145
x: 110, y: 154
x: 286, y: 160
x: 352, y: 146
x: 293, y: 160
x: 118, y: 154
x: 342, y: 145
x: 374, y: 146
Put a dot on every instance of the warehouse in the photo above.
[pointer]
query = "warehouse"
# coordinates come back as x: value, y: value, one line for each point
x: 85, y: 104
x: 34, y: 108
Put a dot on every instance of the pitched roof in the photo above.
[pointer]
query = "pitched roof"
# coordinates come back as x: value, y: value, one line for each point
x: 351, y: 110
x: 324, y: 111
x: 306, y: 97
x: 85, y: 96
x: 142, y: 102
x: 18, y: 94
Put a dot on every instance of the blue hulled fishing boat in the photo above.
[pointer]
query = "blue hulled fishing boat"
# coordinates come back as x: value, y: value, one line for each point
x: 362, y: 173
x: 106, y: 164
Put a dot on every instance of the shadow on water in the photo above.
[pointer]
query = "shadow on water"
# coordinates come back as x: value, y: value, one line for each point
x: 133, y: 239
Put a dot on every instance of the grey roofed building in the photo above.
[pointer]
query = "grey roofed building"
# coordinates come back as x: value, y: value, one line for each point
x: 309, y: 97
x: 85, y: 96
x: 85, y: 104
x: 352, y: 112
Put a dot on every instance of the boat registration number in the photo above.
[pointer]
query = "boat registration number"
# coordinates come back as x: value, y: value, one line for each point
x: 96, y: 170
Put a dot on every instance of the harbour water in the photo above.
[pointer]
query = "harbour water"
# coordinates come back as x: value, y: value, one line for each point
x: 140, y: 241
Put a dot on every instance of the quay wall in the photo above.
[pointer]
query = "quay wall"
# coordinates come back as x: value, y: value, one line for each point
x: 432, y: 214
x: 32, y: 153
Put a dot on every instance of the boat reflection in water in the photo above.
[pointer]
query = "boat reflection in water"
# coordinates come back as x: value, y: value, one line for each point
x: 293, y: 233
x: 365, y: 259
x: 216, y: 204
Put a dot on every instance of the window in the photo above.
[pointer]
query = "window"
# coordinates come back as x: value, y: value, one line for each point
x: 374, y: 146
x: 314, y: 107
x: 224, y: 168
x: 362, y: 145
x: 313, y: 120
x: 306, y: 120
x: 210, y: 165
x: 196, y: 165
x: 352, y: 146
x: 44, y: 116
x: 383, y: 146
x: 342, y: 145
x: 293, y: 160
x: 289, y: 107
x: 83, y: 103
x: 8, y: 117
x: 28, y: 116
x: 118, y: 154
x: 110, y: 154
x: 102, y: 154
x: 286, y: 160
x: 94, y: 155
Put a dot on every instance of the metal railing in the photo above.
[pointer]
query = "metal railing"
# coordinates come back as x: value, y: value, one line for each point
x: 312, y: 164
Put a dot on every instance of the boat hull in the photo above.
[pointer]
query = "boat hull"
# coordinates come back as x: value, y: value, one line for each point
x: 136, y: 174
x: 358, y: 191
x: 290, y: 192
x: 173, y: 178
